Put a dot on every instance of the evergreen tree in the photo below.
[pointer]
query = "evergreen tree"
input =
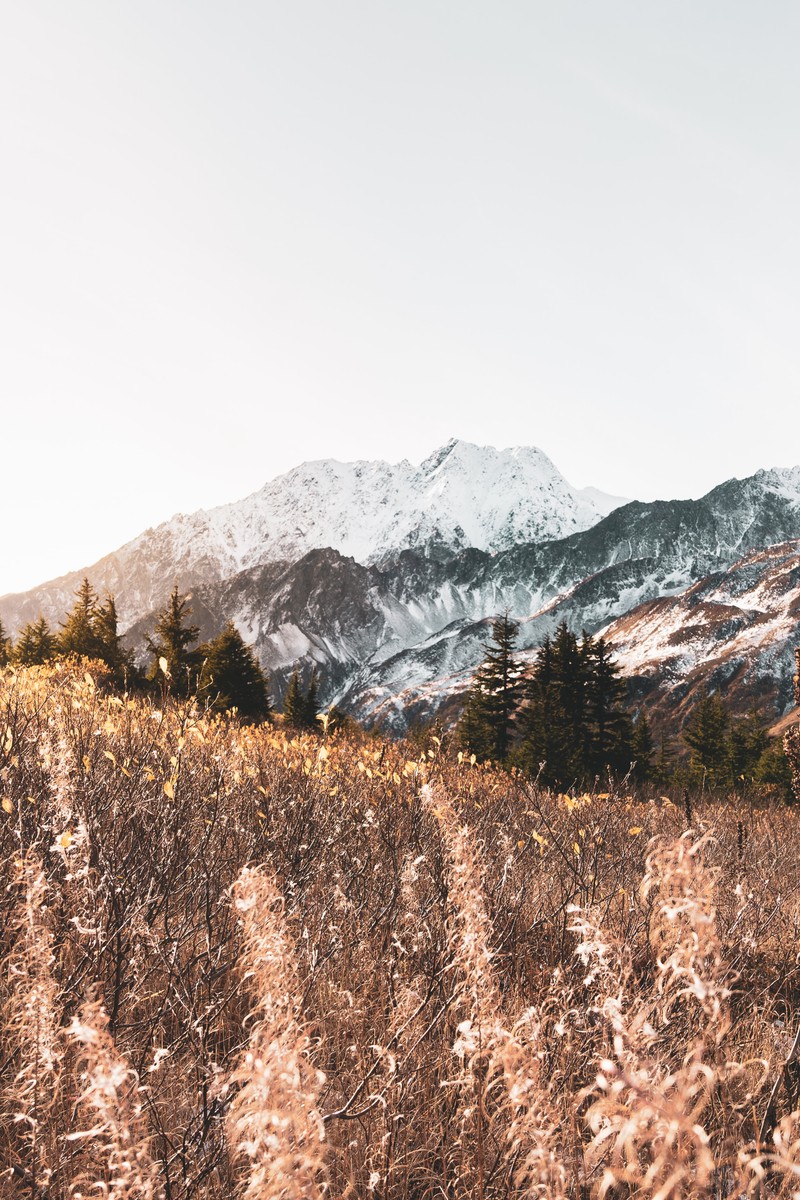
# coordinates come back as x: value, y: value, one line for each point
x: 171, y: 640
x: 5, y: 646
x: 609, y: 744
x: 311, y: 701
x: 495, y: 694
x: 549, y: 748
x: 643, y: 750
x: 78, y: 635
x: 293, y: 702
x: 36, y: 644
x: 706, y: 735
x: 747, y: 742
x: 573, y: 721
x: 109, y: 646
x: 231, y: 677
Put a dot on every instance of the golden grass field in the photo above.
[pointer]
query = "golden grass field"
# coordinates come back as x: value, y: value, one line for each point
x: 242, y: 963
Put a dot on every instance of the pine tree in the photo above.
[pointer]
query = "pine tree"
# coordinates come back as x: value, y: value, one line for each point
x: 5, y: 647
x: 311, y: 700
x: 294, y: 703
x: 748, y: 740
x: 609, y: 740
x: 36, y: 644
x: 109, y: 646
x: 78, y: 634
x: 496, y: 692
x: 706, y: 735
x: 231, y: 677
x: 642, y: 750
x: 171, y: 640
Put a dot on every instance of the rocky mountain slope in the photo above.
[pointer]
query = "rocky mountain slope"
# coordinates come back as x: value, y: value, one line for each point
x: 461, y: 496
x: 734, y: 631
x: 400, y: 639
x: 398, y: 627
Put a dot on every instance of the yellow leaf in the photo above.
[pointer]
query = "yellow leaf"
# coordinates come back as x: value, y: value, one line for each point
x: 169, y: 789
x: 8, y: 740
x: 7, y: 805
x: 64, y: 839
x: 520, y: 844
x: 164, y: 665
x: 108, y: 754
x: 577, y: 849
x: 634, y: 830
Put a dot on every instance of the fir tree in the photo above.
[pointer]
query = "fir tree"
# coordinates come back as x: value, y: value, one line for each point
x: 294, y: 707
x: 171, y: 640
x: 311, y: 701
x: 231, y: 677
x: 747, y: 741
x: 78, y: 635
x: 5, y: 647
x: 495, y: 694
x: 109, y: 646
x: 609, y: 740
x: 36, y: 644
x: 706, y: 735
x: 643, y: 750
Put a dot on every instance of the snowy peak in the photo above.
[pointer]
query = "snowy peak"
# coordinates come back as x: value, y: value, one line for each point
x: 461, y: 495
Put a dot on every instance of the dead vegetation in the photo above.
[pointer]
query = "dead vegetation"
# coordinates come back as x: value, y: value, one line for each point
x: 241, y: 963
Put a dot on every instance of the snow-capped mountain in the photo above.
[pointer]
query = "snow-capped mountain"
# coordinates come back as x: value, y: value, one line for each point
x: 735, y: 631
x: 461, y: 496
x: 387, y: 577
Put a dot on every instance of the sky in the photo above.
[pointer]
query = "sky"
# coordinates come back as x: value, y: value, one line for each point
x: 234, y: 237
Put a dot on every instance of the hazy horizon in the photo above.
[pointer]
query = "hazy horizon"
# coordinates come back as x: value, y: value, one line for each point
x: 235, y: 240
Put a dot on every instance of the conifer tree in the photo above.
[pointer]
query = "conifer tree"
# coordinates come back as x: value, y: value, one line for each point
x: 495, y: 694
x: 36, y: 644
x: 78, y: 635
x: 171, y: 640
x: 311, y: 701
x: 294, y: 702
x: 108, y: 642
x: 706, y: 735
x: 5, y: 646
x: 642, y: 750
x: 231, y: 677
x: 747, y: 742
x: 608, y: 744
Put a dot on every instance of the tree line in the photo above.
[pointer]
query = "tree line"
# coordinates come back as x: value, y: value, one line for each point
x: 223, y: 673
x: 565, y: 722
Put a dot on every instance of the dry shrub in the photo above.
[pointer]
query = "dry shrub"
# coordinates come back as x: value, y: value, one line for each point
x: 274, y: 1120
x: 396, y: 924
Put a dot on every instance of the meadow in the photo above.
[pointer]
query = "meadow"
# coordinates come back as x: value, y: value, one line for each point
x: 243, y: 962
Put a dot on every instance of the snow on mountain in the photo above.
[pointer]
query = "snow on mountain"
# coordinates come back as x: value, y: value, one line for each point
x: 462, y: 495
x: 734, y: 631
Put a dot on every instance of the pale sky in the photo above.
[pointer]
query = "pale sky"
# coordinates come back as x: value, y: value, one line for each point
x: 234, y: 236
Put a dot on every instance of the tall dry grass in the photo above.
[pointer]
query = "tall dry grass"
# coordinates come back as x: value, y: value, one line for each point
x: 432, y: 979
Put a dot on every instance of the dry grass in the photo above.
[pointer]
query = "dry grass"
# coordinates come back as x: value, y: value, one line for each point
x: 239, y: 963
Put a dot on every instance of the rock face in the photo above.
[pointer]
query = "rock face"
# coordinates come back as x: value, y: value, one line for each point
x: 461, y: 496
x: 733, y: 631
x: 387, y: 577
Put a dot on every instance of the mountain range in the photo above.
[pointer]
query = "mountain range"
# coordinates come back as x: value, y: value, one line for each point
x: 387, y: 576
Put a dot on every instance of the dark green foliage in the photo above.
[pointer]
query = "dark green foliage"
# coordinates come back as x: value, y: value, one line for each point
x: 773, y: 772
x: 706, y: 735
x: 643, y: 750
x: 5, y: 647
x: 487, y: 729
x: 574, y: 729
x: 78, y: 634
x: 231, y: 677
x: 171, y: 640
x: 300, y: 706
x: 36, y: 644
x: 109, y: 646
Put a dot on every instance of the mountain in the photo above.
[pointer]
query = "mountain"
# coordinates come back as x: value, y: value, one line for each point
x: 461, y: 496
x: 387, y: 577
x: 734, y: 631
